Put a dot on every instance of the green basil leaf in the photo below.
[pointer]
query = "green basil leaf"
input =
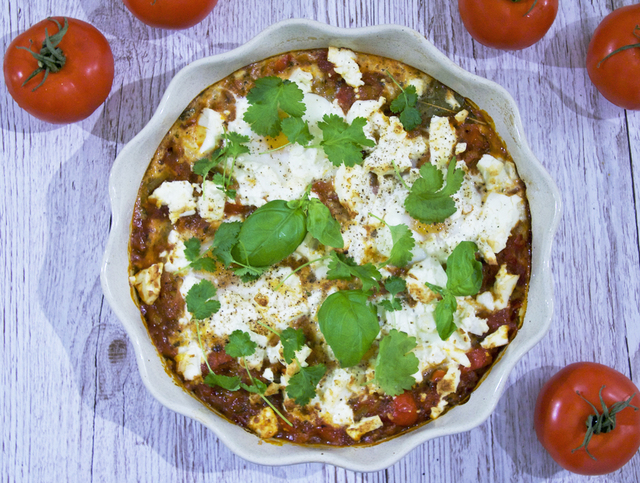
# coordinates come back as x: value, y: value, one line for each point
x: 349, y: 325
x: 443, y: 316
x: 270, y: 234
x: 322, y: 225
x: 464, y: 272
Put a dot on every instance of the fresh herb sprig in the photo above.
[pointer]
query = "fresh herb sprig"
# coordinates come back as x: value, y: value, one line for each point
x: 393, y: 285
x: 197, y: 261
x: 429, y: 199
x: 464, y: 277
x: 342, y: 142
x: 403, y: 243
x: 395, y: 363
x: 233, y: 146
x: 302, y: 385
x: 405, y: 104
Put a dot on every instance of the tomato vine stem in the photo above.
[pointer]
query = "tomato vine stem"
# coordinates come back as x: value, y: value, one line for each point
x: 602, y: 422
x: 50, y: 58
x: 532, y: 6
x: 625, y: 47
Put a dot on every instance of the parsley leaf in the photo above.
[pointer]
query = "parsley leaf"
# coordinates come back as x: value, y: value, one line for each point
x: 342, y: 142
x: 464, y: 277
x: 296, y: 130
x: 292, y: 341
x: 230, y: 383
x: 344, y: 268
x: 428, y: 200
x: 267, y: 98
x: 199, y: 301
x: 349, y: 325
x: 394, y: 286
x: 240, y: 344
x: 405, y: 104
x: 302, y: 385
x: 396, y: 364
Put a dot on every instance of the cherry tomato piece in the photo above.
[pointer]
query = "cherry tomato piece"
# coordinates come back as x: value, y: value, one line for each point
x: 404, y: 411
x: 508, y: 24
x: 80, y: 86
x: 562, y: 417
x: 617, y: 77
x: 170, y: 14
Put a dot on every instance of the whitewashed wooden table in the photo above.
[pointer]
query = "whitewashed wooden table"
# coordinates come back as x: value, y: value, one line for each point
x: 73, y: 405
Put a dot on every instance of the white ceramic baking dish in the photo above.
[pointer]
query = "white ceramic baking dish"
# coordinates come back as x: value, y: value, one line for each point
x: 391, y: 41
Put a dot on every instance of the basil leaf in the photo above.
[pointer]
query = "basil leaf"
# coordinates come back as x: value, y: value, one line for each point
x: 464, y: 272
x: 270, y: 234
x: 322, y: 225
x: 443, y: 316
x: 349, y: 324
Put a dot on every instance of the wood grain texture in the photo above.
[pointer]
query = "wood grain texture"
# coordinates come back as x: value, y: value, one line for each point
x: 74, y: 407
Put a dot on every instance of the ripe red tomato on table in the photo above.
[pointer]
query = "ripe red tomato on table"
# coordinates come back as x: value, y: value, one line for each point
x: 508, y: 24
x: 617, y: 77
x: 82, y: 83
x: 170, y: 14
x: 562, y: 418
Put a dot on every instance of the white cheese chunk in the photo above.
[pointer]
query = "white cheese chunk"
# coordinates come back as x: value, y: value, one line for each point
x: 265, y: 423
x: 211, y: 202
x: 333, y: 394
x: 147, y: 283
x: 176, y: 259
x: 357, y: 430
x: 344, y: 62
x: 213, y: 123
x: 499, y: 177
x: 500, y: 214
x: 442, y: 139
x: 190, y: 359
x: 178, y: 196
x: 428, y: 270
x: 499, y: 338
x: 302, y: 79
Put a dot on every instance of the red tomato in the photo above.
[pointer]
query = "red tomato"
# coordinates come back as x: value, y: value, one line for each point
x: 618, y: 77
x: 508, y: 24
x: 403, y: 409
x: 561, y: 418
x: 77, y: 89
x: 170, y: 14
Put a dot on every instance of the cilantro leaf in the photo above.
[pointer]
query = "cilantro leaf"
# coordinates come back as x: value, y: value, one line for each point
x: 296, y: 130
x: 394, y: 286
x: 267, y: 98
x: 248, y: 273
x: 199, y: 301
x: 234, y: 144
x: 240, y: 344
x: 464, y: 272
x: 464, y: 277
x: 258, y: 387
x: 405, y: 104
x: 203, y: 166
x: 230, y: 383
x: 396, y: 364
x: 344, y: 268
x: 292, y: 341
x: 322, y: 226
x: 192, y: 249
x: 349, y: 325
x: 192, y: 254
x: 224, y: 240
x: 428, y: 200
x: 403, y: 243
x: 342, y: 142
x: 302, y: 385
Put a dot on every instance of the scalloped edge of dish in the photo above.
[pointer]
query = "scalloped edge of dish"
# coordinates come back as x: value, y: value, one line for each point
x: 405, y: 45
